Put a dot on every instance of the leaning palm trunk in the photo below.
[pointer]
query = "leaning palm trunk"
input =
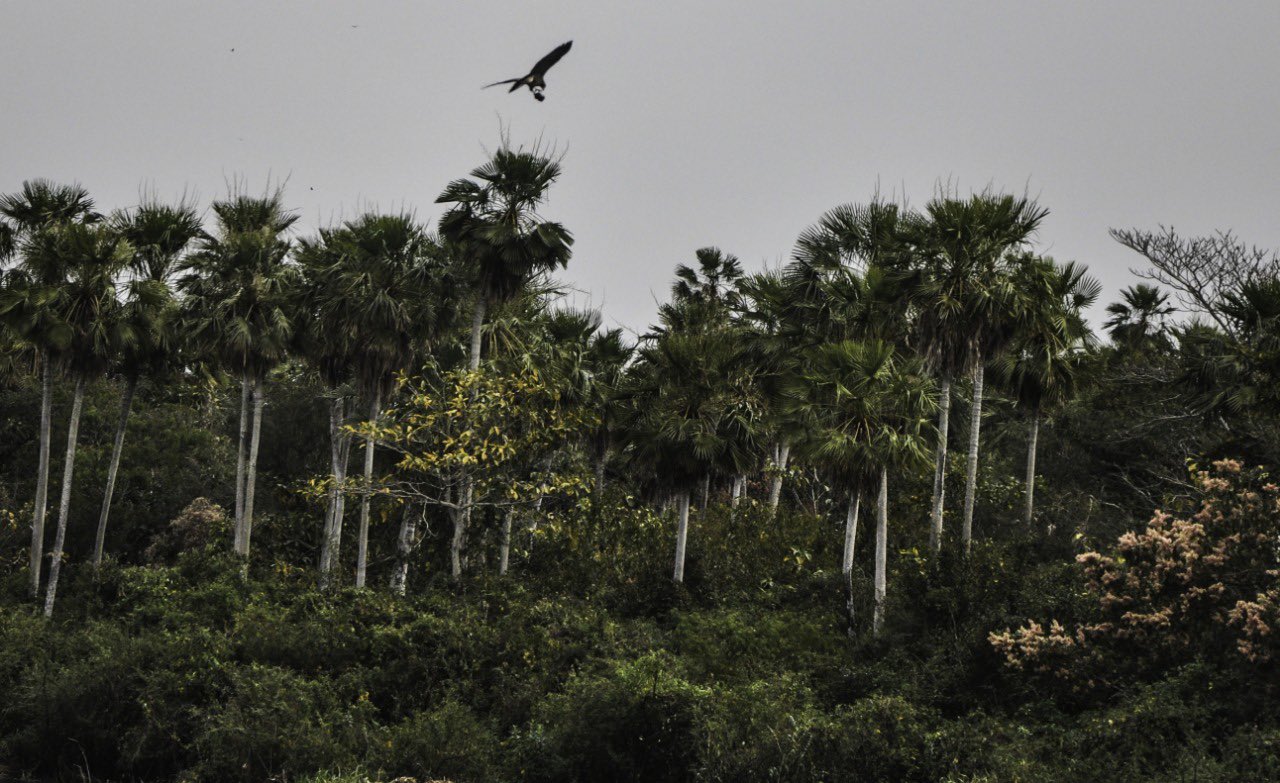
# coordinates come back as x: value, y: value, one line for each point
x: 1029, y: 511
x: 126, y: 402
x: 504, y: 555
x: 846, y: 566
x: 332, y: 542
x: 362, y: 551
x: 42, y: 474
x: 682, y: 536
x: 940, y: 465
x: 775, y: 491
x: 971, y: 476
x: 64, y: 507
x: 850, y: 532
x: 882, y: 551
x: 245, y: 529
x: 404, y: 547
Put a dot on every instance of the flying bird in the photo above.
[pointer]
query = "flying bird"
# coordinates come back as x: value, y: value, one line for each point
x: 534, y: 79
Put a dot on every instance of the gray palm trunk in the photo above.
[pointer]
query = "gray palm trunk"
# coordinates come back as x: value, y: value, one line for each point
x: 775, y: 490
x: 504, y: 555
x: 882, y: 552
x: 404, y: 547
x: 246, y: 386
x: 332, y: 541
x: 682, y: 536
x: 362, y: 551
x: 477, y: 323
x: 1029, y: 510
x: 735, y: 494
x: 706, y: 494
x: 244, y: 530
x: 117, y: 447
x: 846, y: 566
x: 462, y: 515
x: 64, y: 507
x: 971, y: 475
x: 42, y: 474
x: 940, y: 465
x: 850, y: 532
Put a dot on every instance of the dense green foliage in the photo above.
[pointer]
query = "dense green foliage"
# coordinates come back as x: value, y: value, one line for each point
x: 514, y: 615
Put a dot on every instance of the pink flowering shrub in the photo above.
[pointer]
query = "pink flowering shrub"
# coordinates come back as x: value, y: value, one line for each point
x: 1199, y: 583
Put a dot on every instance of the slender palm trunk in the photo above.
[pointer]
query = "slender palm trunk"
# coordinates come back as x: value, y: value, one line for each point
x: 846, y: 566
x: 851, y: 532
x: 706, y: 495
x: 682, y: 536
x: 404, y: 547
x: 775, y: 491
x: 940, y: 465
x: 735, y: 494
x: 1029, y: 511
x: 882, y: 552
x: 242, y: 450
x: 332, y: 543
x: 126, y: 402
x: 362, y: 552
x: 971, y: 476
x: 245, y: 529
x: 504, y: 555
x: 477, y: 323
x: 42, y: 473
x: 64, y: 507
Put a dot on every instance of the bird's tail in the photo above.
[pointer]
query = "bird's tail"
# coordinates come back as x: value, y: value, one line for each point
x: 515, y: 84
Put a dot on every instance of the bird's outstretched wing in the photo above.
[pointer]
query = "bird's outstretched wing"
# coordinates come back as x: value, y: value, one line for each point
x: 551, y: 59
x: 504, y: 81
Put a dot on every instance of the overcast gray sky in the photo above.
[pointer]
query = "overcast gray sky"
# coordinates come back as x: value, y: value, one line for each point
x: 686, y: 123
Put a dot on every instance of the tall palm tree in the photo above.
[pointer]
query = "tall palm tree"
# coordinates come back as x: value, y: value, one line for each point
x: 870, y: 413
x: 693, y: 407
x: 158, y: 234
x: 958, y: 282
x: 1041, y: 370
x: 88, y: 312
x: 40, y: 206
x: 495, y: 225
x: 375, y: 281
x: 1138, y: 320
x: 237, y: 293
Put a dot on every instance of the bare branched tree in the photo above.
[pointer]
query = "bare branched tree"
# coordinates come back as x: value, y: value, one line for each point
x: 1199, y: 270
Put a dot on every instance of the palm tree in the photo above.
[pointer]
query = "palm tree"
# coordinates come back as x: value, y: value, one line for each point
x: 375, y: 285
x: 158, y: 234
x: 496, y: 227
x: 1137, y: 322
x: 1041, y: 369
x: 869, y: 411
x: 89, y: 314
x: 237, y: 290
x: 959, y: 283
x: 692, y: 407
x: 40, y: 206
